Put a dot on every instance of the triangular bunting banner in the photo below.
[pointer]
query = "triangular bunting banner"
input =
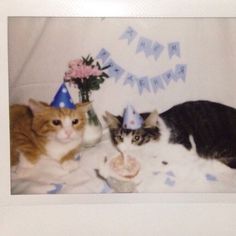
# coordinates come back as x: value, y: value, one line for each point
x: 130, y: 79
x: 157, y: 83
x: 143, y: 84
x: 144, y: 45
x: 168, y: 76
x: 129, y: 34
x: 174, y: 49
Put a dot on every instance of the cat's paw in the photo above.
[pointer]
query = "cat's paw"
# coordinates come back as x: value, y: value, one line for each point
x: 25, y: 163
x: 70, y: 165
x: 22, y: 172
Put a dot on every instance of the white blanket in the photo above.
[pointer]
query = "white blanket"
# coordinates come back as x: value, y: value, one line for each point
x: 159, y: 173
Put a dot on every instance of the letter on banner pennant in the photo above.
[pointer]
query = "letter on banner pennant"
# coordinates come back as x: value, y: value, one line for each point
x: 114, y: 70
x: 129, y: 34
x: 168, y: 76
x: 180, y: 71
x: 103, y: 55
x: 130, y: 79
x: 157, y: 83
x: 144, y: 45
x: 157, y: 49
x: 117, y: 72
x: 174, y: 49
x: 143, y: 84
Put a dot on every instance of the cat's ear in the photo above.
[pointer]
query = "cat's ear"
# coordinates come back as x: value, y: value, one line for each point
x: 84, y: 107
x: 151, y: 120
x: 36, y: 106
x: 111, y: 120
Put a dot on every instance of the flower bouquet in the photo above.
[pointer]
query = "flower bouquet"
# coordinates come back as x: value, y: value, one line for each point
x: 87, y: 75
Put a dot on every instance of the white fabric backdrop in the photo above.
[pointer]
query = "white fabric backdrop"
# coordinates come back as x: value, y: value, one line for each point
x: 40, y: 48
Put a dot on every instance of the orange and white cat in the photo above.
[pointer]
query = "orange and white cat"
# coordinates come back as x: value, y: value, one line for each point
x: 39, y: 130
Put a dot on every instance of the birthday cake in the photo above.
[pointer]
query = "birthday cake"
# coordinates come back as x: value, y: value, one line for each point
x: 126, y: 167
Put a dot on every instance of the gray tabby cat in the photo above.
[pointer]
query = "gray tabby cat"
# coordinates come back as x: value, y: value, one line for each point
x: 211, y: 125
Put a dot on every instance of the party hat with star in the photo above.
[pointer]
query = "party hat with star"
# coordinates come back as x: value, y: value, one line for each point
x: 62, y: 99
x: 131, y: 119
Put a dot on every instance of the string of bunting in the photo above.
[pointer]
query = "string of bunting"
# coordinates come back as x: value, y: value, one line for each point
x: 150, y: 47
x: 143, y: 83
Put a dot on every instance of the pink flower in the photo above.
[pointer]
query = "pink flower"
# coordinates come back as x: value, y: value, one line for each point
x: 67, y: 76
x: 79, y: 69
x: 82, y: 71
x: 75, y: 63
x: 96, y: 71
x: 70, y: 74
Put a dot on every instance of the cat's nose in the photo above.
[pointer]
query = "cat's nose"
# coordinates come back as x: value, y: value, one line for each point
x: 122, y: 147
x: 68, y: 132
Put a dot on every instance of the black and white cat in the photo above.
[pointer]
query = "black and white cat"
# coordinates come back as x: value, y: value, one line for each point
x: 211, y: 126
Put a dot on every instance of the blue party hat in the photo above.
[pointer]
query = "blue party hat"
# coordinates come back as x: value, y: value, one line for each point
x: 63, y: 99
x: 132, y: 119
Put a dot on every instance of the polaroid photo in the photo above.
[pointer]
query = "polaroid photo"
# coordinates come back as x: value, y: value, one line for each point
x: 118, y: 109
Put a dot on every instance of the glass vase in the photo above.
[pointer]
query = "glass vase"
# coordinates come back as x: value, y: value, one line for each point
x: 93, y: 128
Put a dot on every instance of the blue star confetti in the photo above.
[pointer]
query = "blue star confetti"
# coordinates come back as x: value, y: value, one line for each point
x: 106, y: 189
x: 170, y: 182
x: 78, y: 158
x: 170, y: 173
x: 210, y: 177
x: 57, y: 189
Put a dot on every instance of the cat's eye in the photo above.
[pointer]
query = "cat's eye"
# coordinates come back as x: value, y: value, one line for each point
x: 56, y: 122
x: 136, y: 138
x: 75, y: 121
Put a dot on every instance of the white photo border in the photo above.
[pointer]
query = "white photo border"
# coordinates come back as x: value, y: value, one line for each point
x: 94, y: 8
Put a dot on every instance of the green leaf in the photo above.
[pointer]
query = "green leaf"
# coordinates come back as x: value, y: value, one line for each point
x: 101, y: 79
x: 105, y: 67
x: 98, y: 65
x: 105, y: 75
x: 90, y: 61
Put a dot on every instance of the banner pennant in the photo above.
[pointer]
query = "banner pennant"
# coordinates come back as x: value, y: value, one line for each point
x: 156, y: 50
x: 130, y: 34
x: 144, y: 45
x: 180, y: 71
x: 157, y: 83
x: 109, y: 63
x: 103, y: 55
x: 174, y: 49
x: 143, y: 84
x: 168, y: 76
x: 114, y: 70
x: 130, y: 79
